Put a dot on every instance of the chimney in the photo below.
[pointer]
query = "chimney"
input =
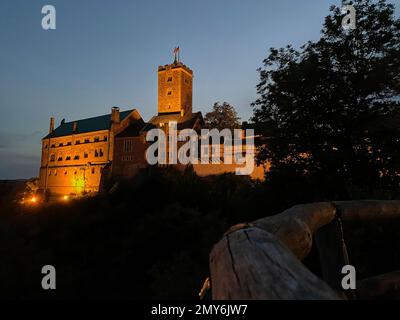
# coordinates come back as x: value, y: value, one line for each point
x: 74, y: 126
x: 51, y: 125
x: 115, y: 115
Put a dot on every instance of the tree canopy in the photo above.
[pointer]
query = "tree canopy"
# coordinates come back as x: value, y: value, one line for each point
x: 332, y: 106
x: 222, y: 116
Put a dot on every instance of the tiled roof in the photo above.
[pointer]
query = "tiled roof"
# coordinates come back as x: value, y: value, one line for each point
x: 132, y: 130
x: 185, y: 122
x: 86, y: 125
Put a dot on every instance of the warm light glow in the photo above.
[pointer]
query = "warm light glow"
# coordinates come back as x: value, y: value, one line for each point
x: 66, y: 198
x: 79, y: 184
x: 33, y: 200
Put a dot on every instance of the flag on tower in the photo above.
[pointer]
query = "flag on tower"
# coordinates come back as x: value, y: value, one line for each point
x: 176, y: 54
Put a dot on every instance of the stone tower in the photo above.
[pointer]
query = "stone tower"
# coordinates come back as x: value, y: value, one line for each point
x: 175, y: 89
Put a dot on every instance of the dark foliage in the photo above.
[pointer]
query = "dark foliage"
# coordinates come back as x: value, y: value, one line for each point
x: 149, y: 238
x: 223, y: 116
x: 332, y: 108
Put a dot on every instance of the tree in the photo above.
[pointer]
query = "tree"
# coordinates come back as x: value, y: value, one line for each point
x: 223, y: 116
x: 333, y: 105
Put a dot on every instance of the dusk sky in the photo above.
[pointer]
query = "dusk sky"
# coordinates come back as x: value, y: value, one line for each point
x: 106, y: 53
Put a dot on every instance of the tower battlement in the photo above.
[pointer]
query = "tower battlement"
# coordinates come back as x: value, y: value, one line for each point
x: 175, y: 65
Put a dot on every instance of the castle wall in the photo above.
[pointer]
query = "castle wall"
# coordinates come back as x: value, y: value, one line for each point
x: 204, y: 170
x: 129, y: 156
x: 73, y: 164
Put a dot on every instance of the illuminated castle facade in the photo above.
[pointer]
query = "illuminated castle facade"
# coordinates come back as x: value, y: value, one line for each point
x: 77, y: 155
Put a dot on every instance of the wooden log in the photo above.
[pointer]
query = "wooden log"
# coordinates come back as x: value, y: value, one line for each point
x: 252, y: 263
x: 368, y: 209
x: 295, y: 226
x: 258, y: 260
x: 385, y: 286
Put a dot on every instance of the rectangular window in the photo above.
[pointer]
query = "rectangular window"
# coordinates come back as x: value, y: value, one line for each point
x: 77, y: 142
x: 169, y: 79
x: 105, y: 138
x: 59, y: 159
x: 76, y: 157
x: 128, y: 146
x: 53, y: 145
x: 68, y: 143
x: 169, y: 93
x: 96, y: 139
x: 68, y: 158
x: 96, y: 154
x: 93, y: 171
x: 85, y: 155
x: 87, y: 140
x: 101, y: 152
x: 61, y: 144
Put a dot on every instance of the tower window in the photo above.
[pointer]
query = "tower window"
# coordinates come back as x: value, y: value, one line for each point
x: 93, y: 171
x: 169, y: 93
x: 169, y: 79
x: 96, y: 139
x: 85, y: 155
x: 128, y: 146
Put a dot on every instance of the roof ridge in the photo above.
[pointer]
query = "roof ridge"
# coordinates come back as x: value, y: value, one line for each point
x: 103, y: 115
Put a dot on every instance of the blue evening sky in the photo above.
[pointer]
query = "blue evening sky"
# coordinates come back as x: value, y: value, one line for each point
x: 106, y: 53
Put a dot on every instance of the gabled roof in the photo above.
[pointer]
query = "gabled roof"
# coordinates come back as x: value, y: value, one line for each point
x: 132, y: 130
x: 86, y: 125
x: 186, y: 122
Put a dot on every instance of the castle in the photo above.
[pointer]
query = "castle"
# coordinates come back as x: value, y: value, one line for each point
x: 77, y: 155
